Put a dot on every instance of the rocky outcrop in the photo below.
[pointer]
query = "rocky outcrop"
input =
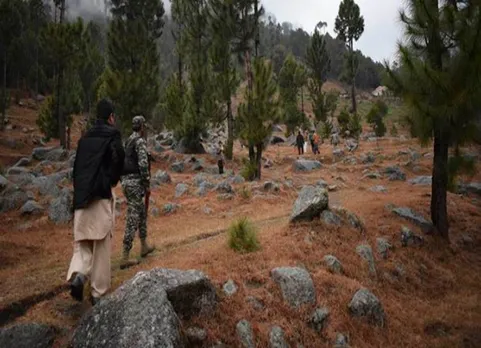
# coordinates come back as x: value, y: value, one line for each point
x: 306, y: 165
x: 29, y: 335
x: 309, y: 204
x: 60, y: 210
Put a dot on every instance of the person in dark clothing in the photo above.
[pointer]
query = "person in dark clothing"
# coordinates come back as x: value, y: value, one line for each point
x: 300, y: 143
x: 220, y: 159
x: 97, y: 168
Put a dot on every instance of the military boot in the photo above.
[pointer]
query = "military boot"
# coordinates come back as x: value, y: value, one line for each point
x: 126, y: 261
x: 145, y: 248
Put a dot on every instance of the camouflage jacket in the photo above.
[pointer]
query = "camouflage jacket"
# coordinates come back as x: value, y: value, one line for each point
x: 143, y: 161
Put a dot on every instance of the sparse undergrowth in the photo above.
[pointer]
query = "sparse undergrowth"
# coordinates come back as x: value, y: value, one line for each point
x: 243, y: 236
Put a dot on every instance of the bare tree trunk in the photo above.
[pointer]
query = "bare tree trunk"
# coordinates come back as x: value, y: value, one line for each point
x: 230, y: 131
x: 353, y: 83
x: 259, y: 161
x: 249, y: 91
x: 302, y: 99
x: 60, y: 114
x: 439, y: 211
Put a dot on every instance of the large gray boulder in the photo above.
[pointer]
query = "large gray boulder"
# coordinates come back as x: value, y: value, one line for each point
x: 190, y: 292
x: 60, y: 210
x: 21, y: 178
x: 473, y: 187
x: 29, y: 335
x: 306, y: 165
x: 296, y: 285
x: 17, y: 171
x: 138, y: 314
x: 310, y: 203
x: 365, y: 304
x: 46, y: 185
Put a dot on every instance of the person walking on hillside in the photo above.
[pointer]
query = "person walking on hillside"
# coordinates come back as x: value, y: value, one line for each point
x: 136, y: 187
x: 97, y: 169
x: 300, y: 143
x: 316, y: 139
x: 220, y: 158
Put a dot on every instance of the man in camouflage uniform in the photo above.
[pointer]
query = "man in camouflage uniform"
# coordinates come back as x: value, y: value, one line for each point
x: 136, y: 186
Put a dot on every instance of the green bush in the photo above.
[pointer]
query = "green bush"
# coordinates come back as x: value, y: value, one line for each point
x: 248, y: 172
x: 355, y: 126
x: 245, y: 192
x: 325, y: 129
x: 243, y: 236
x: 379, y: 126
x: 394, y: 131
x: 343, y: 120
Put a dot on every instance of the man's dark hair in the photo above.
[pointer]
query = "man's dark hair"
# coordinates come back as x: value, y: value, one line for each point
x: 104, y: 109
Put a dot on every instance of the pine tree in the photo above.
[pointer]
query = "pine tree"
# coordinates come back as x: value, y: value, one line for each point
x: 222, y: 16
x: 318, y: 61
x: 290, y: 79
x: 260, y: 111
x: 440, y: 80
x: 133, y: 60
x: 349, y: 27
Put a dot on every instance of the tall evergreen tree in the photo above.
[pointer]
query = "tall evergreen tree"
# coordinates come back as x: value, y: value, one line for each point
x: 349, y: 27
x: 440, y: 79
x: 289, y: 88
x: 227, y: 80
x: 319, y: 65
x: 132, y: 79
x: 259, y: 112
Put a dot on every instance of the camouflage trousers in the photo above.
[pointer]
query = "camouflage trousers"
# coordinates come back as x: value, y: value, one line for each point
x: 134, y: 193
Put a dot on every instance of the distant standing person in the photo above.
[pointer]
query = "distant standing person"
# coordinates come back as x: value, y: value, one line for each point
x: 316, y: 140
x: 300, y: 143
x: 220, y: 159
x: 97, y: 168
x: 136, y: 187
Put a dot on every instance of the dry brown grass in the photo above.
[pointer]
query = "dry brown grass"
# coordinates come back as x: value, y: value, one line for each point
x: 440, y: 286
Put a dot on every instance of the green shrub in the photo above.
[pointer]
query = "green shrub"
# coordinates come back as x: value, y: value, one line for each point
x: 355, y: 126
x: 325, y: 129
x: 243, y: 236
x: 379, y: 126
x: 248, y: 172
x: 343, y: 120
x: 394, y: 131
x: 245, y: 192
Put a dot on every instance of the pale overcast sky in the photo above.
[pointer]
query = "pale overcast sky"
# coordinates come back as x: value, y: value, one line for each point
x: 381, y: 19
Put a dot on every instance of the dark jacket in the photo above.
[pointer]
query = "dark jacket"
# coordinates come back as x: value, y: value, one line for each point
x: 98, y: 165
x: 131, y: 163
x: 300, y: 140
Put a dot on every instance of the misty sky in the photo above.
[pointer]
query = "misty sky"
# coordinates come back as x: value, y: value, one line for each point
x: 382, y: 28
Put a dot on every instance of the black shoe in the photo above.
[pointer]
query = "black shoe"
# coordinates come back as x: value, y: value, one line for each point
x: 94, y: 300
x: 77, y: 287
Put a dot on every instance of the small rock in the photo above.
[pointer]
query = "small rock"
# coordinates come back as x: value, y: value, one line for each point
x: 161, y: 177
x: 365, y: 304
x: 255, y: 303
x: 365, y: 252
x: 225, y: 197
x: 207, y: 211
x: 319, y: 318
x: 178, y: 167
x: 270, y: 186
x: 332, y: 188
x: 277, y: 338
x: 395, y: 173
x: 368, y: 158
x: 342, y: 341
x: 338, y: 152
x: 224, y: 187
x: 197, y: 165
x: 309, y: 204
x: 296, y: 285
x: 322, y: 184
x: 330, y: 218
x: 31, y: 208
x: 229, y: 288
x: 409, y: 214
x: 23, y: 162
x: 238, y: 179
x: 245, y: 334
x: 372, y: 175
x: 155, y: 212
x: 383, y: 247
x: 421, y: 181
x: 333, y: 264
x: 408, y: 237
x: 378, y: 188
x: 351, y: 145
x: 170, y: 208
x: 473, y: 187
x: 196, y: 335
x: 268, y: 163
x: 306, y: 165
x: 180, y: 190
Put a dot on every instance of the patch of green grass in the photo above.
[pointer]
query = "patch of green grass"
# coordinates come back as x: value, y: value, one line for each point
x: 245, y: 192
x: 242, y: 236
